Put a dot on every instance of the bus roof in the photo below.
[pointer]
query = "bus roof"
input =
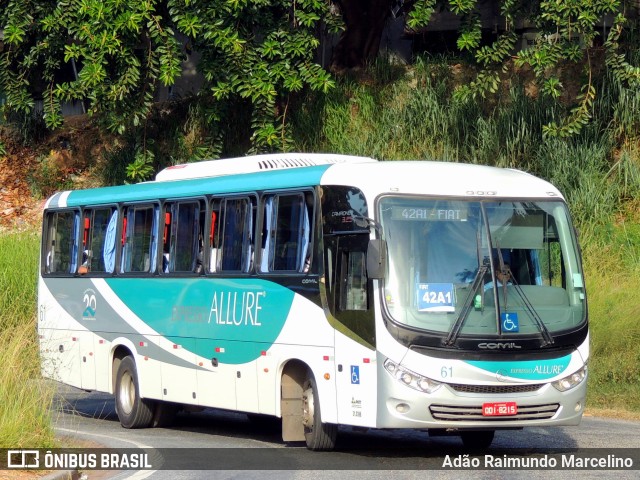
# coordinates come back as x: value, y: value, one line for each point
x: 271, y: 172
x: 253, y: 164
x: 441, y: 179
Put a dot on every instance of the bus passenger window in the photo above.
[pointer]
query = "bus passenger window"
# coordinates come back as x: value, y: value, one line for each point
x: 286, y: 234
x: 86, y: 251
x: 96, y: 222
x: 61, y: 244
x: 166, y: 241
x: 184, y: 243
x: 213, y: 240
x: 109, y: 249
x: 139, y: 249
x: 236, y: 225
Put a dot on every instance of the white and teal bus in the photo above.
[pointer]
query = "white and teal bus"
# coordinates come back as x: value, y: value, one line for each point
x: 325, y: 290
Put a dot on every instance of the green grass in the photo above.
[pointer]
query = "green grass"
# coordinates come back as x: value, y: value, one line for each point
x: 612, y: 272
x: 25, y: 416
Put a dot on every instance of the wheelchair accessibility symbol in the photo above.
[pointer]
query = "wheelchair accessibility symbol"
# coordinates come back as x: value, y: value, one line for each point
x: 355, y: 375
x: 510, y: 322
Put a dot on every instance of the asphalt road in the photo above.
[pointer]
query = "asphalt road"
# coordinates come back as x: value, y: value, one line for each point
x: 215, y: 439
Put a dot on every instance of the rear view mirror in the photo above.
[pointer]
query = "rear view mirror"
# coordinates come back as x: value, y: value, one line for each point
x: 376, y: 258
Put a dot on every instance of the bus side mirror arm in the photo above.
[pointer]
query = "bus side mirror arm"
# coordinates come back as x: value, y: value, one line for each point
x: 376, y: 259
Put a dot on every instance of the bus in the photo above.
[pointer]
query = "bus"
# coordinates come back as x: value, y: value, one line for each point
x: 322, y: 290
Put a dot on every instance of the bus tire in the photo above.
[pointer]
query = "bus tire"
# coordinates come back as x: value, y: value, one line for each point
x: 318, y: 435
x: 479, y: 440
x: 133, y: 411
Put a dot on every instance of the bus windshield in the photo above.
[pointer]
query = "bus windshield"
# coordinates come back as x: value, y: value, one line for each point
x: 482, y: 268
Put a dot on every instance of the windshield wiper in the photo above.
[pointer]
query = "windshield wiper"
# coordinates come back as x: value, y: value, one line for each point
x: 466, y: 306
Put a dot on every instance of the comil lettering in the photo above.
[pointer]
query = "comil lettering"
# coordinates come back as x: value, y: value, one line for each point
x: 236, y: 308
x: 499, y: 345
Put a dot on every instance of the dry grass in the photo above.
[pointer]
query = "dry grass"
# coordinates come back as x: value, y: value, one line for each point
x: 24, y: 400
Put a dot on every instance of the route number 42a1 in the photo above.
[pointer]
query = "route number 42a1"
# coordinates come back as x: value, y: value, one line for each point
x: 435, y: 297
x: 444, y: 298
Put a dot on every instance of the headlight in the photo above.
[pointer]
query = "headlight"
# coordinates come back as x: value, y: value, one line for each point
x: 573, y: 380
x: 411, y: 379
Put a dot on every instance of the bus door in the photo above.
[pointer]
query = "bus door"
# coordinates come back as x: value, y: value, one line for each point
x: 352, y: 306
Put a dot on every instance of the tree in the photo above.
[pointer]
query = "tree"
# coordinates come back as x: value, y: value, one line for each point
x: 257, y: 53
x: 120, y: 52
x: 254, y: 54
x: 261, y: 51
x: 364, y: 22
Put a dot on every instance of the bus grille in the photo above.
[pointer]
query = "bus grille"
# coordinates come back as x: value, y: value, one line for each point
x: 463, y: 414
x: 497, y: 389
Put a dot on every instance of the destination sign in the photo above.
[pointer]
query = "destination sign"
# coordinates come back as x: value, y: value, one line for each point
x: 429, y: 214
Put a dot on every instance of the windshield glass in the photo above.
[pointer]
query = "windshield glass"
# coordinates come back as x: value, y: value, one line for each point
x: 527, y: 251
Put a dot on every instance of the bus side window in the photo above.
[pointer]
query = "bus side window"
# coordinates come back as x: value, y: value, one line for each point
x: 286, y: 233
x: 138, y: 254
x: 62, y: 242
x: 213, y: 239
x: 94, y: 237
x: 353, y: 295
x: 184, y: 238
x: 166, y: 238
x: 349, y: 290
x: 252, y: 234
x: 236, y: 223
x: 83, y: 268
x: 268, y: 233
x: 86, y: 246
x: 110, y: 243
x: 202, y: 222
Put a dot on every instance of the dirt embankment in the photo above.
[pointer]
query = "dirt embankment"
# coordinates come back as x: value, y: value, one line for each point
x: 63, y: 160
x: 18, y: 208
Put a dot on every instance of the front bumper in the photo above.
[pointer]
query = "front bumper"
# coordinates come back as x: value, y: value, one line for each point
x: 456, y: 407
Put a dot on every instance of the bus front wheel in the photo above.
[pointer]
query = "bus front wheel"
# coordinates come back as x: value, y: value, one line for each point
x: 133, y: 411
x: 318, y: 435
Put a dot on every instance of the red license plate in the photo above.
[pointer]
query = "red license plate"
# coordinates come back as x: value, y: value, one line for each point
x: 500, y: 409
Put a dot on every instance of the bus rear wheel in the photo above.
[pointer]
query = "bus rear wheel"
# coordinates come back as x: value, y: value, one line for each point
x: 318, y: 435
x: 133, y: 411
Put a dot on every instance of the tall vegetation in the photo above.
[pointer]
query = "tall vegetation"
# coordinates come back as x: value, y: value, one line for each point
x: 569, y: 33
x: 25, y: 416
